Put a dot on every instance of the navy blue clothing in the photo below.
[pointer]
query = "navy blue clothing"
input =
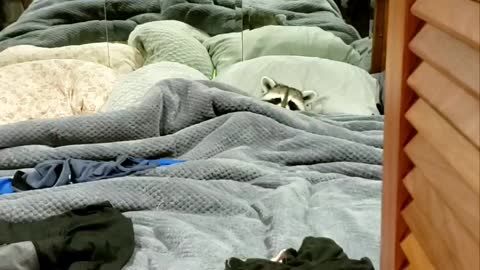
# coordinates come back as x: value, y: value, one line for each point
x: 54, y: 173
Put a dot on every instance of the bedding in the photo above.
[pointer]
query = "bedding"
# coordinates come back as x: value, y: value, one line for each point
x: 182, y: 27
x: 159, y: 41
x: 341, y: 88
x: 56, y: 23
x: 228, y: 49
x: 257, y: 178
x: 52, y: 88
x: 365, y: 48
x: 119, y: 57
x: 131, y: 89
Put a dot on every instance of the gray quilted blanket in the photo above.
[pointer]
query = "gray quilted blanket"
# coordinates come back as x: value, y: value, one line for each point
x: 54, y: 23
x: 257, y: 179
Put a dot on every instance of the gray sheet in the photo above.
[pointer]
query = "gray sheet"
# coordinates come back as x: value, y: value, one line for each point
x: 258, y: 178
x: 364, y: 48
x: 54, y: 23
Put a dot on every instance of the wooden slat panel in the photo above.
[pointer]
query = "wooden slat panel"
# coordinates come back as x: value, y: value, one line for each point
x: 402, y: 26
x: 415, y: 254
x: 427, y: 236
x: 460, y: 18
x: 448, y: 98
x: 463, y: 201
x: 461, y: 243
x: 459, y: 152
x: 450, y: 56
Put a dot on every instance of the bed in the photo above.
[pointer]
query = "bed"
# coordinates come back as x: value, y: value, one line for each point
x: 257, y: 178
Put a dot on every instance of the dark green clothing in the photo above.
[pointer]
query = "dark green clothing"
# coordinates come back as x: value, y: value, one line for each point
x: 314, y: 254
x: 95, y: 237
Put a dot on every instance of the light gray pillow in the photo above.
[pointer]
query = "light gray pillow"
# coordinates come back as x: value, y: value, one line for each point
x: 173, y: 42
x: 226, y: 49
x: 130, y: 89
x: 341, y: 88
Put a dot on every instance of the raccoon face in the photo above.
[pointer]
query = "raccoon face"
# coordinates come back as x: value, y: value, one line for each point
x: 284, y: 96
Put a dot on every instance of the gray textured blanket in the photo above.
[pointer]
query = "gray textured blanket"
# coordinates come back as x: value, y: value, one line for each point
x: 257, y: 179
x: 54, y: 23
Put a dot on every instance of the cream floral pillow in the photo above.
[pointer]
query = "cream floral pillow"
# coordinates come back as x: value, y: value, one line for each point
x: 52, y: 88
x: 120, y: 57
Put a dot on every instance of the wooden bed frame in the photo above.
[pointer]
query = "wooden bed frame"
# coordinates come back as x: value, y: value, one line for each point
x: 431, y: 205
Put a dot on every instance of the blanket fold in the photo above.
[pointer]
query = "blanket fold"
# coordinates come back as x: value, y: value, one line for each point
x: 169, y: 107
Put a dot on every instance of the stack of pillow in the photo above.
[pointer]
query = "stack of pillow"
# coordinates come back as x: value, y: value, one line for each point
x: 111, y: 76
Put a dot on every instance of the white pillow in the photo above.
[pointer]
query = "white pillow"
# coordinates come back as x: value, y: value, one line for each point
x: 130, y: 89
x: 163, y: 41
x: 226, y: 49
x: 341, y: 88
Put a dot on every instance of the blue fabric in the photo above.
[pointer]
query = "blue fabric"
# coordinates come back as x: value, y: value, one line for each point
x: 166, y: 162
x: 6, y: 186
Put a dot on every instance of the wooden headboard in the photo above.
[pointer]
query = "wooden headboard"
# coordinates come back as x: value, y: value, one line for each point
x: 431, y: 206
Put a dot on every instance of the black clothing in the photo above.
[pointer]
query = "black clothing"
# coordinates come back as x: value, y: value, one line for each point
x: 314, y: 254
x: 95, y: 237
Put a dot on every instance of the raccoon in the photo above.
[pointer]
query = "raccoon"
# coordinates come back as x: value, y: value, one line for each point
x: 285, y: 96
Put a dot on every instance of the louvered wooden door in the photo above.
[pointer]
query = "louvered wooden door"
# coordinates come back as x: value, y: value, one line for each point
x: 431, y: 203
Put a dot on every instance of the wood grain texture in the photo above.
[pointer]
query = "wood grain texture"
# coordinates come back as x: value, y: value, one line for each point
x: 443, y: 217
x: 460, y: 198
x: 460, y: 18
x: 450, y: 56
x: 427, y: 236
x: 449, y: 99
x: 380, y: 36
x: 415, y: 254
x: 400, y: 63
x: 461, y: 243
x: 455, y: 148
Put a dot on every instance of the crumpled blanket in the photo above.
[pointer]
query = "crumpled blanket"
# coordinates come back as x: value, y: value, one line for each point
x: 257, y: 178
x: 55, y: 23
x: 52, y: 88
x: 119, y: 57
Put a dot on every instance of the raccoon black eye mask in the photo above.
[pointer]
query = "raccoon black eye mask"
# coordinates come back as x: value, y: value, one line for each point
x: 285, y: 96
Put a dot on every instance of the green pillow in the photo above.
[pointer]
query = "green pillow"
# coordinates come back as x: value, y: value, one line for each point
x: 226, y: 49
x: 172, y: 42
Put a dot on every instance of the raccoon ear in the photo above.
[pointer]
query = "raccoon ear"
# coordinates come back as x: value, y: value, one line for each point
x: 309, y: 96
x: 267, y: 84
